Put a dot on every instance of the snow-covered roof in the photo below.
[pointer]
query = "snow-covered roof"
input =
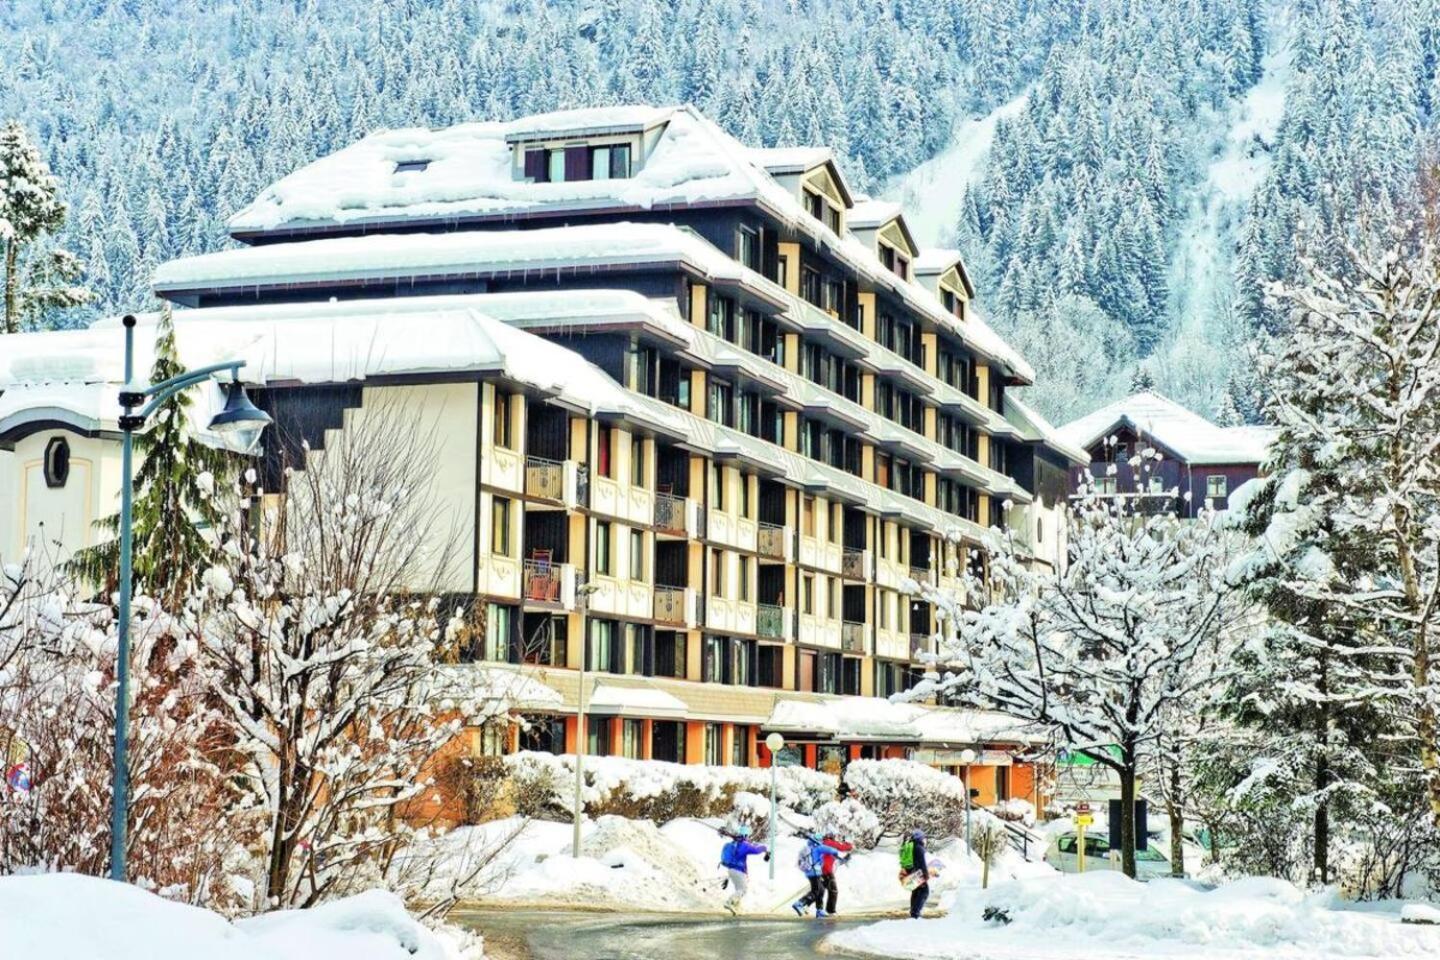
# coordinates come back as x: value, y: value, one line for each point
x: 868, y: 213
x: 642, y: 701
x: 936, y: 260
x: 878, y: 719
x: 1033, y: 426
x: 790, y: 159
x: 1189, y: 435
x: 589, y: 121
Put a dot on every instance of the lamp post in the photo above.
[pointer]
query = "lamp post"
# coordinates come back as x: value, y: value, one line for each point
x: 774, y: 743
x: 239, y: 426
x: 967, y: 757
x: 582, y: 596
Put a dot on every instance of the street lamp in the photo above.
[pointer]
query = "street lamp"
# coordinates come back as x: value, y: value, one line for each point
x: 967, y: 757
x: 238, y: 426
x: 582, y: 596
x: 774, y: 743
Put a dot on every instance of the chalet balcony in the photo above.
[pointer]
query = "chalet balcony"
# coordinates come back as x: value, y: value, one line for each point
x: 564, y: 482
x: 773, y: 542
x: 921, y: 645
x: 676, y: 606
x: 855, y: 564
x: 925, y: 576
x: 773, y: 622
x: 852, y: 636
x: 677, y: 516
x: 549, y: 584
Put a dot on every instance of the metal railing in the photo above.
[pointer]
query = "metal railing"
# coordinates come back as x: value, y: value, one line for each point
x: 771, y: 540
x: 670, y: 513
x: 852, y: 636
x: 770, y: 621
x: 852, y: 564
x: 544, y: 478
x: 920, y: 645
x: 541, y: 581
x: 670, y: 605
x: 922, y: 575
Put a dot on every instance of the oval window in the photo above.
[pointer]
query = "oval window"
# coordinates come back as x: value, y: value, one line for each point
x: 57, y: 462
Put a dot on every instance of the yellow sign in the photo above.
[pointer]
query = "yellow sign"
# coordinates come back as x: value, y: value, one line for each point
x: 1083, y: 820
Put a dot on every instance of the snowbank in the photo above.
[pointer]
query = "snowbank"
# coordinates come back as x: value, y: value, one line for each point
x: 1106, y: 915
x: 71, y: 917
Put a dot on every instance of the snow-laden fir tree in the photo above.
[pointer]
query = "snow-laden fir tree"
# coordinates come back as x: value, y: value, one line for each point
x: 1103, y: 651
x: 174, y: 509
x: 36, y: 278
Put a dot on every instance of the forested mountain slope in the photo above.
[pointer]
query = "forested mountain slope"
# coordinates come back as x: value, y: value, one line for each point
x: 1129, y: 175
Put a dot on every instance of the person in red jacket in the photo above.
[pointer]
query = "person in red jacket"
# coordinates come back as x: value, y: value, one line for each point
x: 827, y: 871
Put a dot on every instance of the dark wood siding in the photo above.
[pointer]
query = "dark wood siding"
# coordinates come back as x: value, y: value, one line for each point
x: 577, y: 163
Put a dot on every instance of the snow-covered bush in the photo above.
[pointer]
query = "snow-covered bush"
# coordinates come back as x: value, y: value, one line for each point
x: 988, y: 837
x: 905, y: 795
x: 850, y: 820
x: 752, y: 811
x: 1014, y: 809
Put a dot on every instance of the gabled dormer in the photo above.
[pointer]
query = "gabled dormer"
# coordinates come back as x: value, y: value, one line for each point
x: 812, y: 175
x: 943, y: 273
x: 881, y: 226
x: 579, y: 145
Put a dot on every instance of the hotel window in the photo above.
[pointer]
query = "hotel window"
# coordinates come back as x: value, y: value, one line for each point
x: 815, y: 205
x: 603, y: 547
x: 832, y: 219
x: 744, y: 579
x: 714, y: 745
x: 740, y: 746
x: 502, y: 420
x: 637, y: 555
x: 500, y: 527
x: 717, y: 573
x: 722, y: 407
x: 1216, y: 486
x: 717, y: 486
x: 807, y: 516
x: 747, y: 247
x: 597, y: 736
x: 498, y: 621
x: 746, y: 505
x: 712, y: 667
x: 631, y: 735
x: 810, y: 285
x: 807, y: 593
x: 834, y: 611
x: 604, y: 440
x: 836, y: 515
x: 610, y: 162
x: 555, y: 166
x: 602, y: 645
x: 720, y: 319
x: 637, y: 461
x: 637, y: 661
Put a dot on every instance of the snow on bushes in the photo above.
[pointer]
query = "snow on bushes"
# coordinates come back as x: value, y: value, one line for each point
x: 751, y: 811
x: 657, y: 790
x: 906, y: 795
x: 850, y: 820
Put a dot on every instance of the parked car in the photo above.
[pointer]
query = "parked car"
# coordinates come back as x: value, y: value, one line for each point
x: 1063, y: 854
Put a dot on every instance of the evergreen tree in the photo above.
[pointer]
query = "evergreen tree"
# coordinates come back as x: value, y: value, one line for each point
x: 30, y: 212
x: 175, y: 502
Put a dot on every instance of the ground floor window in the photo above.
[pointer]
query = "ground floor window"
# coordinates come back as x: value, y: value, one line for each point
x: 597, y: 736
x: 493, y: 738
x: 740, y: 746
x: 499, y: 621
x: 714, y: 745
x: 542, y: 734
x: 667, y: 741
x: 830, y: 760
x: 632, y: 733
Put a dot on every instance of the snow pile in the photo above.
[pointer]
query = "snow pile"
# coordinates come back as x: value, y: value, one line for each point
x: 74, y: 917
x: 1106, y: 915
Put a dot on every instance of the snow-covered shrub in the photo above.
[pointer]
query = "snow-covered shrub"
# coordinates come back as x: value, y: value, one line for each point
x: 1015, y: 809
x: 536, y: 785
x: 988, y: 837
x: 850, y: 820
x: 905, y: 795
x: 752, y: 811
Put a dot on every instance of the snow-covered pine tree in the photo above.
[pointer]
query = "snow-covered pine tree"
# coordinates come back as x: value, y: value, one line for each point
x: 174, y: 501
x: 1101, y: 652
x: 31, y: 210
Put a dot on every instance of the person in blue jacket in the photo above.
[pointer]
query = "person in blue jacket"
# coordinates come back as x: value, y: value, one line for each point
x: 812, y: 864
x: 735, y: 858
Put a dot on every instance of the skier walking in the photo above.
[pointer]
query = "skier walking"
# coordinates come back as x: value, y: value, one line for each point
x: 827, y: 871
x: 735, y: 858
x: 812, y: 863
x: 915, y: 872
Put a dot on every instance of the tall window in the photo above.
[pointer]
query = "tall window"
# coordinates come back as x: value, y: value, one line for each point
x: 602, y: 645
x: 1216, y: 486
x: 498, y: 621
x: 807, y: 593
x: 555, y: 165
x: 714, y: 745
x: 637, y: 461
x: 631, y: 736
x: 597, y: 736
x: 604, y: 441
x: 604, y: 563
x: 717, y: 486
x: 637, y: 554
x: 717, y: 572
x: 500, y: 527
x: 746, y: 503
x: 740, y: 746
x: 722, y: 408
x: 747, y: 247
x: 744, y: 579
x: 807, y: 516
x: 502, y: 420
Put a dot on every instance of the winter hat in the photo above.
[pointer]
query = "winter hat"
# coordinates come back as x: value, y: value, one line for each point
x: 742, y: 831
x: 917, y: 834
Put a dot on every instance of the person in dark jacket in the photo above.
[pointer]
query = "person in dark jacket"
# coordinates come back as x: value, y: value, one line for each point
x: 827, y: 871
x: 812, y: 864
x: 735, y: 858
x: 915, y: 870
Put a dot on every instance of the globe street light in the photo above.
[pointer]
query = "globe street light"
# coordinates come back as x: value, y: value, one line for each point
x: 774, y: 743
x: 238, y: 426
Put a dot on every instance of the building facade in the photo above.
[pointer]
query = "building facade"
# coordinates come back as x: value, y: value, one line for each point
x: 700, y: 418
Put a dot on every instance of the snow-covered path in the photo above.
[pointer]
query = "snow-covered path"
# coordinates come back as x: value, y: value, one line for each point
x: 933, y: 192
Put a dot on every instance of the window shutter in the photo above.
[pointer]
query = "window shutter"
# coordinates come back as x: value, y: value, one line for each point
x: 577, y: 163
x: 535, y: 165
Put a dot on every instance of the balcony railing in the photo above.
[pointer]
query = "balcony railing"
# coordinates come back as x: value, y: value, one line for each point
x: 923, y: 575
x: 671, y: 514
x: 545, y: 479
x: 770, y: 621
x: 771, y: 541
x: 852, y: 636
x: 853, y: 563
x: 542, y: 581
x: 674, y: 605
x: 920, y: 645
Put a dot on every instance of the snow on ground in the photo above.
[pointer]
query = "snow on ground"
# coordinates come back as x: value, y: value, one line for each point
x: 632, y: 864
x: 933, y: 192
x: 65, y: 916
x: 1106, y: 916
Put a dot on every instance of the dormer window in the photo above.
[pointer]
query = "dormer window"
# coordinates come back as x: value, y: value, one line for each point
x: 578, y: 162
x: 815, y: 204
x: 411, y: 166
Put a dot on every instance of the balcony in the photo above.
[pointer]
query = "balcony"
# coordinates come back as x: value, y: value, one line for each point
x: 852, y: 636
x: 855, y: 564
x: 921, y: 645
x: 774, y: 542
x: 773, y: 622
x: 676, y: 516
x: 925, y: 576
x: 558, y: 481
x: 676, y: 606
x: 548, y: 583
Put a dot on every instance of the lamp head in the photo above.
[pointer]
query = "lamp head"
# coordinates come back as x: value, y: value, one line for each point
x: 241, y: 423
x: 775, y: 742
x: 967, y: 757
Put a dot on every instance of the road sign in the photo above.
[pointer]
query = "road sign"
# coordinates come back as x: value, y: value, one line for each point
x: 1084, y: 820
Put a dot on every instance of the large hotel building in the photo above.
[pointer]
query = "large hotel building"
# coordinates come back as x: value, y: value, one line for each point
x: 697, y: 414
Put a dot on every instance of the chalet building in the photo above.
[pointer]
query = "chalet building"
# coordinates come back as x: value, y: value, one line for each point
x: 700, y: 415
x: 1200, y: 464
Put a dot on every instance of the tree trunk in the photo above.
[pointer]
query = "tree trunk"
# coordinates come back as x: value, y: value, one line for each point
x: 1127, y: 814
x: 1176, y: 810
x: 12, y: 287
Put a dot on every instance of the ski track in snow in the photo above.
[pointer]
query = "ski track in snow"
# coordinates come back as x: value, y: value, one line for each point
x: 933, y: 192
x: 1207, y: 240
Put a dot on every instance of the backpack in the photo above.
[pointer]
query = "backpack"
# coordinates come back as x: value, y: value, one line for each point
x: 907, y: 854
x: 807, y: 861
